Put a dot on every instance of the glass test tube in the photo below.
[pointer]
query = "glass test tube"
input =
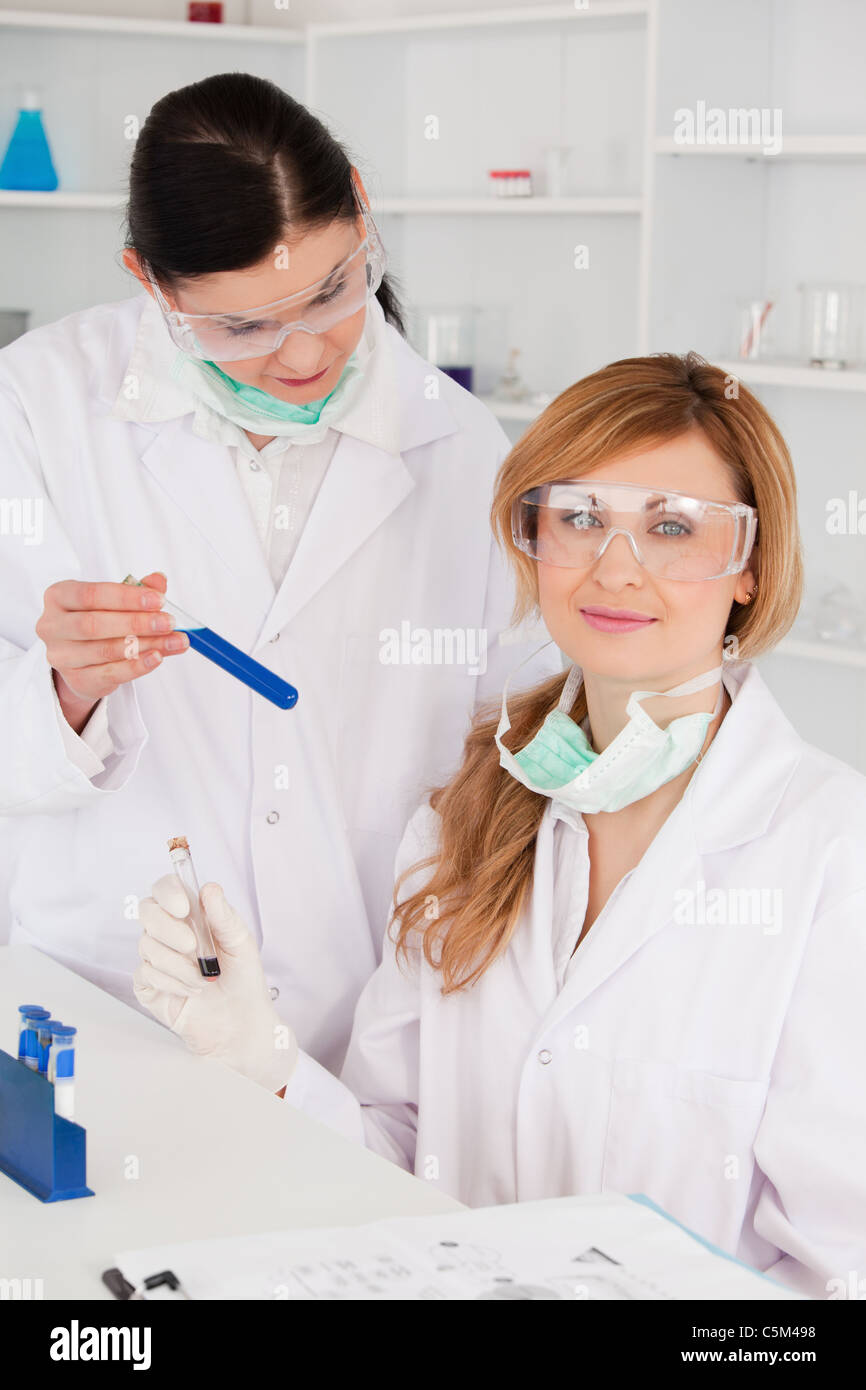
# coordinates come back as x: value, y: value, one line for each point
x: 44, y: 1034
x: 181, y: 862
x: 225, y: 654
x: 30, y: 1016
x: 61, y: 1068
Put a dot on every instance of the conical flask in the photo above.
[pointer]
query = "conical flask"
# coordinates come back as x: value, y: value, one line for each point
x: 27, y: 163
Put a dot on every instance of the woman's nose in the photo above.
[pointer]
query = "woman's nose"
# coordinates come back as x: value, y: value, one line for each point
x: 619, y: 560
x: 301, y: 353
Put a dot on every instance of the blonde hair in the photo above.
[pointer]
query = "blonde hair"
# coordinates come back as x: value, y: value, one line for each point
x: 482, y: 873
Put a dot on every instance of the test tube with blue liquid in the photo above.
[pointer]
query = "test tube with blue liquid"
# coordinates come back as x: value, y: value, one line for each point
x: 61, y: 1068
x: 30, y: 1016
x: 47, y: 1046
x: 244, y: 668
x: 44, y: 1035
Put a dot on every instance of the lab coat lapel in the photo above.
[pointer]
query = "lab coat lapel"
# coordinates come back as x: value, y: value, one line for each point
x: 200, y: 478
x: 531, y: 946
x: 730, y: 801
x: 361, y: 488
x: 643, y: 906
x: 365, y: 482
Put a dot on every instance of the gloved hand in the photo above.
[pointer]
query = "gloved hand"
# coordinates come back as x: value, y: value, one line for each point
x: 230, y: 1017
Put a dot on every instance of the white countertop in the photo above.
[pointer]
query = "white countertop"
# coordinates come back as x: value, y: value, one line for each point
x: 215, y: 1154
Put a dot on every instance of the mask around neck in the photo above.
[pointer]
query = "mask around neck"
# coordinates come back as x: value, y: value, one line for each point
x: 256, y: 410
x: 559, y: 762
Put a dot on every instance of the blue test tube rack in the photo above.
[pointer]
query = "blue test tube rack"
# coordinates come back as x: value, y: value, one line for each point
x: 39, y: 1149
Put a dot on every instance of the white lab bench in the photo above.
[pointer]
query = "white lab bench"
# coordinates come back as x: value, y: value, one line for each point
x: 178, y: 1147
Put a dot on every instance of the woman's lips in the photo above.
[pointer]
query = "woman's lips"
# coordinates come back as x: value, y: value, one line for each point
x: 302, y: 380
x: 606, y: 622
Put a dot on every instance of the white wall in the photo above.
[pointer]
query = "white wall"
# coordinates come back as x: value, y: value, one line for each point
x: 721, y: 228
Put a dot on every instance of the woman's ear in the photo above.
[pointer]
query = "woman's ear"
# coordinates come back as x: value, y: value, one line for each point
x: 359, y: 184
x: 132, y: 261
x: 747, y: 580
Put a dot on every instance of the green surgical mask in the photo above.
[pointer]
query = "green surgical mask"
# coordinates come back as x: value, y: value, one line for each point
x: 560, y: 762
x: 256, y: 410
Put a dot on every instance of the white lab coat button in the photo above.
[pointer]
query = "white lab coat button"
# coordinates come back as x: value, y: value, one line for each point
x: 544, y: 1056
x: 276, y: 638
x: 274, y: 992
x: 272, y: 817
x: 256, y: 467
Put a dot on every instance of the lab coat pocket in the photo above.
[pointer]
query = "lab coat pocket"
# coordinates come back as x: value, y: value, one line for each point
x: 684, y: 1138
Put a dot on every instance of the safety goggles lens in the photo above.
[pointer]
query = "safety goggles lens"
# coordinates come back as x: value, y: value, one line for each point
x: 229, y: 337
x: 570, y: 524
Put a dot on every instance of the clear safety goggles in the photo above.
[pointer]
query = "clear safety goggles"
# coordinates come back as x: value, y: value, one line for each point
x: 571, y: 524
x: 234, y: 335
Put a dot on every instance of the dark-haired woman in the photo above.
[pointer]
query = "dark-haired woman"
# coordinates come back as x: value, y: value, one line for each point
x: 253, y: 434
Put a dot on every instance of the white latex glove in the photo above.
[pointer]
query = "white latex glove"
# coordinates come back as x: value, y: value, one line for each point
x: 230, y: 1017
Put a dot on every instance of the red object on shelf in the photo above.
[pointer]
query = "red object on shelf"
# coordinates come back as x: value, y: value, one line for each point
x: 205, y: 12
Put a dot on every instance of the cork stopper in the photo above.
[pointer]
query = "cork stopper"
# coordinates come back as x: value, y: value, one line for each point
x: 179, y: 842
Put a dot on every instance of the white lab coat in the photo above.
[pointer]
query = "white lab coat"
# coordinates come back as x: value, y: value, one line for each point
x: 297, y: 813
x: 719, y: 1069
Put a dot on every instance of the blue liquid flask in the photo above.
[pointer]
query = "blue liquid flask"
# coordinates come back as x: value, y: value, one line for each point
x: 27, y: 163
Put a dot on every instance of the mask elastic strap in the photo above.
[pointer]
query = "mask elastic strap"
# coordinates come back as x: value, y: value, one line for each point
x: 690, y: 687
x: 504, y: 722
x: 570, y: 689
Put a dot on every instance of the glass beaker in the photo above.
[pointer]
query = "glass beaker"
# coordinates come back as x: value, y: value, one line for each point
x: 446, y: 337
x: 832, y: 325
x: 556, y: 162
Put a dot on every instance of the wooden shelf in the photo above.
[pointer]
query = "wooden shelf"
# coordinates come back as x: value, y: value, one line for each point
x: 821, y: 651
x: 831, y: 148
x: 13, y: 198
x: 504, y: 207
x: 159, y: 28
x: 592, y: 207
x: 473, y: 19
x: 796, y: 374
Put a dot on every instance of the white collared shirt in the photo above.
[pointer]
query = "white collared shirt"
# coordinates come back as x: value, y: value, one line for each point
x: 280, y: 481
x: 571, y: 865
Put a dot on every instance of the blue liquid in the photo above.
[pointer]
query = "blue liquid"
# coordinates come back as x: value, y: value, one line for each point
x: 243, y: 667
x: 462, y: 375
x: 27, y: 163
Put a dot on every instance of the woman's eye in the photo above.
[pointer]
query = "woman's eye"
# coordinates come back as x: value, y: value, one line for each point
x: 331, y: 294
x: 240, y: 330
x: 679, y: 528
x: 581, y: 521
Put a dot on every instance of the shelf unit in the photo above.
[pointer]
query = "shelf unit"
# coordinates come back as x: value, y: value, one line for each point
x: 590, y: 216
x: 635, y: 225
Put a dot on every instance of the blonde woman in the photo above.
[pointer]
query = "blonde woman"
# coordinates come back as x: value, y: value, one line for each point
x: 629, y: 938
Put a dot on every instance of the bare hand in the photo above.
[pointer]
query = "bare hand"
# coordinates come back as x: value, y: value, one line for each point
x: 99, y: 635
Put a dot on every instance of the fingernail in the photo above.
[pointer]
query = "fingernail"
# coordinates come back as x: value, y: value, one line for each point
x: 150, y: 599
x: 161, y: 622
x: 152, y: 659
x: 177, y: 643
